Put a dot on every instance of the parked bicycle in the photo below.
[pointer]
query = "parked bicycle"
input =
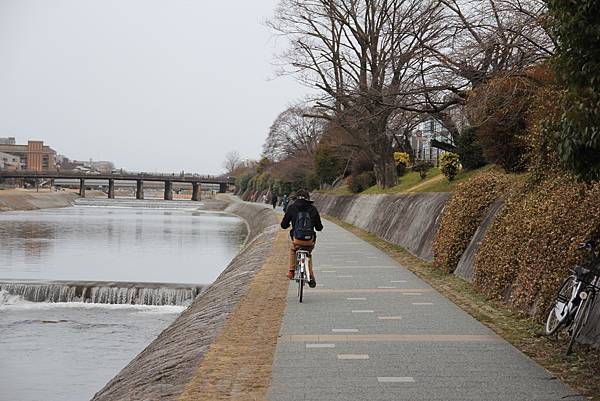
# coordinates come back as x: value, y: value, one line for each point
x: 302, y: 273
x: 575, y: 297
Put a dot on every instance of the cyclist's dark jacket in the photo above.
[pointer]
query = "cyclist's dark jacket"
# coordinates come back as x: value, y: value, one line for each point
x: 292, y: 213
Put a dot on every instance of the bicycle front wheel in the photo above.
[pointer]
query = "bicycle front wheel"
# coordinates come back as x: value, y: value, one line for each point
x: 581, y: 319
x: 557, y: 313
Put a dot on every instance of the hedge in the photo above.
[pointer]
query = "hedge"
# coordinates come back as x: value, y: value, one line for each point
x: 531, y: 245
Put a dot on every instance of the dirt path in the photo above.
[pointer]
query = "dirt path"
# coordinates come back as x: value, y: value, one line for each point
x: 425, y: 183
x: 238, y: 364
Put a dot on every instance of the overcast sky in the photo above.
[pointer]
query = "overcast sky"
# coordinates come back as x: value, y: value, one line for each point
x: 152, y: 85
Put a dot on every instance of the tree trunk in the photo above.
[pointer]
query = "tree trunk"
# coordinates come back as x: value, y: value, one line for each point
x: 385, y: 170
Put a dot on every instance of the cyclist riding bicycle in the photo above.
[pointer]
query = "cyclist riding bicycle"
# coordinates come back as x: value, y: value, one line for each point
x: 305, y: 219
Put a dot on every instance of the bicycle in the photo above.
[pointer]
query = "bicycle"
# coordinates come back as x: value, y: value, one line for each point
x: 302, y: 273
x: 575, y: 298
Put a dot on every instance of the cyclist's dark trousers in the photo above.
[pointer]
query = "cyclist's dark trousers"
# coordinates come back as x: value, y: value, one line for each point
x: 301, y: 244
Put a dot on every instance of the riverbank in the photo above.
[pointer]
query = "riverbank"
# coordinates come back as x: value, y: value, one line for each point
x: 218, y: 332
x: 22, y: 199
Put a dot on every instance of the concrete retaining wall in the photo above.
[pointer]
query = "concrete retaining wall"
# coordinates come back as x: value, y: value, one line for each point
x: 12, y: 200
x: 258, y: 216
x: 466, y: 265
x: 408, y: 220
x: 167, y: 365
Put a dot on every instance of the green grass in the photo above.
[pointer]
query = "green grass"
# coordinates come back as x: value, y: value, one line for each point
x: 449, y: 186
x: 411, y: 182
x: 341, y: 190
x: 405, y: 182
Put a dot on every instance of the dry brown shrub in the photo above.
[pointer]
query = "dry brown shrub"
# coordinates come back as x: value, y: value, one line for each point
x: 463, y: 214
x: 531, y: 245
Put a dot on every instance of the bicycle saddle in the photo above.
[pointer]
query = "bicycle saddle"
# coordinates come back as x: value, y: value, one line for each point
x: 581, y: 271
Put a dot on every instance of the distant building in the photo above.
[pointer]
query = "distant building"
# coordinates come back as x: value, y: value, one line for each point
x: 8, y: 141
x: 34, y: 156
x: 9, y: 162
x: 102, y: 166
x: 428, y: 130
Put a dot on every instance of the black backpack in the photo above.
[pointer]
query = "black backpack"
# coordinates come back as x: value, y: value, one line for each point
x: 303, y: 227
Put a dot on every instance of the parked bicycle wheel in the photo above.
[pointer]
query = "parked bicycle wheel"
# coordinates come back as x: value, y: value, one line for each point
x: 556, y: 318
x: 581, y: 319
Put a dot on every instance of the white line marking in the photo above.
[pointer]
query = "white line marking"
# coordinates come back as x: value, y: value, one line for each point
x: 389, y: 317
x: 356, y: 299
x: 353, y: 356
x: 320, y: 345
x: 327, y: 271
x: 412, y: 293
x: 363, y: 311
x: 398, y: 281
x: 395, y: 380
x: 344, y: 276
x: 422, y: 303
x: 385, y: 287
x: 344, y: 330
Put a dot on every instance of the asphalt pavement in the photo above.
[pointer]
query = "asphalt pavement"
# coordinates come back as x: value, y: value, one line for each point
x: 373, y: 331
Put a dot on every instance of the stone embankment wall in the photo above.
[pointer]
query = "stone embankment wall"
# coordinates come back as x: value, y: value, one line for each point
x: 13, y: 200
x: 164, y: 369
x: 466, y: 265
x: 408, y: 220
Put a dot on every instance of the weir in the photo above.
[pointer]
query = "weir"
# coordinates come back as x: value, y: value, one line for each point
x: 103, y: 292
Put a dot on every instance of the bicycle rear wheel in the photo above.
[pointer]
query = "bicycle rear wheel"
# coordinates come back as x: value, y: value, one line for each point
x: 563, y: 296
x: 581, y: 319
x: 301, y: 288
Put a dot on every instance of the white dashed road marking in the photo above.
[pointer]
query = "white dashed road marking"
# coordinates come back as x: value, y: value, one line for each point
x: 344, y: 330
x: 353, y: 356
x: 391, y: 379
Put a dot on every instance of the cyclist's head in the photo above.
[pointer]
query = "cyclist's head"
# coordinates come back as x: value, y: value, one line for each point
x: 303, y: 194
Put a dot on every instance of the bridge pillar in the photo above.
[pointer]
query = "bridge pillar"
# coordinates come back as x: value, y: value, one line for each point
x: 139, y: 191
x: 168, y: 190
x: 82, y: 187
x: 223, y: 188
x: 195, y: 191
x: 111, y: 188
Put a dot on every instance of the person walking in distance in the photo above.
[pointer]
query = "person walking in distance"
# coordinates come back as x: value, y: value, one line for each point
x: 274, y: 200
x: 285, y: 202
x: 304, y: 218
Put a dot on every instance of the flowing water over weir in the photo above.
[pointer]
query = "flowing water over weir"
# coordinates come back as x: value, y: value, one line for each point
x: 104, y: 292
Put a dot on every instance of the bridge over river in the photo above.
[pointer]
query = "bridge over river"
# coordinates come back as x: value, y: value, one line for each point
x: 139, y: 178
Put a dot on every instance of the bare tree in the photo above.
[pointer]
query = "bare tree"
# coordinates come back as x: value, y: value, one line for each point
x: 293, y: 133
x: 232, y: 161
x: 476, y: 41
x: 362, y: 55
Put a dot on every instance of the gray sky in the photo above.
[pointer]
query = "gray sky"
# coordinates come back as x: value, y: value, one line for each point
x: 153, y: 85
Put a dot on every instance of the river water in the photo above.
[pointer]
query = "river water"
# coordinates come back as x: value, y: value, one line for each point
x: 66, y: 351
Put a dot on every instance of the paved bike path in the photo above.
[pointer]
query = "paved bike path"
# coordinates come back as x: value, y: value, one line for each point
x: 373, y: 331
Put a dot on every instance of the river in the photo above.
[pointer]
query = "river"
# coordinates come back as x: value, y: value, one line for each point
x: 66, y: 351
